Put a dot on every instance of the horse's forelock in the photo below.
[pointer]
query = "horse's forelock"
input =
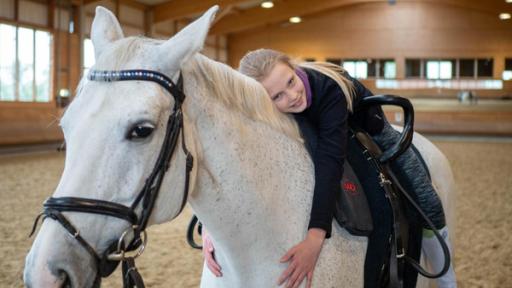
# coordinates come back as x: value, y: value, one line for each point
x: 126, y: 52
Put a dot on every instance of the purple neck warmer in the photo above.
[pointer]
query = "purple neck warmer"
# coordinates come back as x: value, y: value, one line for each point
x: 304, y: 78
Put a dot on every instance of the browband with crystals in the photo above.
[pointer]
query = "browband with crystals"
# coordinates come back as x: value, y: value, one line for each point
x: 140, y: 74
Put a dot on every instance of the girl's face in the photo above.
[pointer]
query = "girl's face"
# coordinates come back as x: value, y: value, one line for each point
x: 285, y: 89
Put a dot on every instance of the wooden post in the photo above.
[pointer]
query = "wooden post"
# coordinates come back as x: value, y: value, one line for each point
x: 148, y: 22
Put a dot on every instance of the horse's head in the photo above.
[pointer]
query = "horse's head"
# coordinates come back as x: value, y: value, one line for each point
x: 114, y: 134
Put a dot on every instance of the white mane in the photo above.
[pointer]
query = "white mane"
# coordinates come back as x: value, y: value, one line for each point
x: 241, y: 94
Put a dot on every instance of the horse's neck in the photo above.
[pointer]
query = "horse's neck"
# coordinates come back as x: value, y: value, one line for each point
x: 254, y: 185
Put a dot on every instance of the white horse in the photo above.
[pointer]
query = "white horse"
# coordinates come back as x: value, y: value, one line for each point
x: 251, y: 185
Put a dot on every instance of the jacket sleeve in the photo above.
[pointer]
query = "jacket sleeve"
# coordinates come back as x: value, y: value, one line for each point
x: 329, y: 156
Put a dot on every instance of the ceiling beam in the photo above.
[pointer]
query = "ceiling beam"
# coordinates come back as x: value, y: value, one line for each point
x: 131, y: 3
x: 86, y: 2
x: 177, y: 9
x: 134, y: 4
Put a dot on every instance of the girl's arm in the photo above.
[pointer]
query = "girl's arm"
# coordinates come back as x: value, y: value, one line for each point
x: 208, y: 254
x: 329, y: 154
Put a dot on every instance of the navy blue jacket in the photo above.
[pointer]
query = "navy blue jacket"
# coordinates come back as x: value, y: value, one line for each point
x: 324, y: 125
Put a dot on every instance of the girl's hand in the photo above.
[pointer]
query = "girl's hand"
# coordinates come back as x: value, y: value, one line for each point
x: 302, y: 258
x: 208, y: 254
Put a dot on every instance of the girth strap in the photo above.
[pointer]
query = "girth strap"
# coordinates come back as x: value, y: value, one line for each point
x: 400, y: 233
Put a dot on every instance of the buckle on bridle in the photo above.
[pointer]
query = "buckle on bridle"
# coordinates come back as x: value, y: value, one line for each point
x: 401, y: 254
x: 121, y: 254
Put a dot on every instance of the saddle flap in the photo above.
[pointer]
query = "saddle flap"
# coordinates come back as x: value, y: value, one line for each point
x: 352, y: 211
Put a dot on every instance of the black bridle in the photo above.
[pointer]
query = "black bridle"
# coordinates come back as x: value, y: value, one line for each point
x: 54, y: 206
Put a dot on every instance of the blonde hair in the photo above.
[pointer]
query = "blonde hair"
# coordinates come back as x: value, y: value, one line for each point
x: 257, y: 64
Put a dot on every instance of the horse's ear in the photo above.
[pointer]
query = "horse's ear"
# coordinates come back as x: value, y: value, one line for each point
x: 186, y: 43
x: 105, y: 30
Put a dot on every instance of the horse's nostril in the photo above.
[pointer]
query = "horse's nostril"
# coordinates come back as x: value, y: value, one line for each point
x: 66, y: 280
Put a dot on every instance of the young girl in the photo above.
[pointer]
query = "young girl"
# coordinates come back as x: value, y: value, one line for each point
x: 322, y: 95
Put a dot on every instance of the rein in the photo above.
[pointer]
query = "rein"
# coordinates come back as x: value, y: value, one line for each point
x: 54, y: 206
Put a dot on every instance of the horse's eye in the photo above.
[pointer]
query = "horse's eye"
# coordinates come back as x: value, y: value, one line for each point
x: 140, y: 131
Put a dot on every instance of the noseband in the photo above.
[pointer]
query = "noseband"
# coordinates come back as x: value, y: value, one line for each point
x: 54, y: 206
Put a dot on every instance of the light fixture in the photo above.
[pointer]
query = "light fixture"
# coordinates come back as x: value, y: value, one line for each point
x: 508, y: 1
x: 504, y: 16
x: 267, y: 4
x: 295, y: 19
x: 64, y: 93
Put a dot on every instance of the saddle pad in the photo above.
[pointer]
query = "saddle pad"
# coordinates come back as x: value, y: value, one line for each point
x: 352, y: 211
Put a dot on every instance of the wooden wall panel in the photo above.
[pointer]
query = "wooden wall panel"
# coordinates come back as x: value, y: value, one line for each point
x: 7, y: 9
x: 506, y: 92
x: 379, y: 30
x: 61, y: 19
x: 30, y: 12
x: 29, y: 123
x: 130, y: 15
x: 452, y: 122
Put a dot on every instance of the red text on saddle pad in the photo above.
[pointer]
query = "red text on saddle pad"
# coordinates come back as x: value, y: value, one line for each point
x: 350, y: 187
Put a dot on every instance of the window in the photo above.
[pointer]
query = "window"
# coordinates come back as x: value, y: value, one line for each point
x: 508, y: 64
x: 42, y: 66
x: 485, y: 67
x: 387, y: 68
x: 367, y: 68
x: 412, y: 68
x: 507, y: 74
x: 26, y: 64
x: 440, y: 69
x: 356, y: 68
x: 24, y: 70
x: 7, y: 63
x: 467, y: 68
